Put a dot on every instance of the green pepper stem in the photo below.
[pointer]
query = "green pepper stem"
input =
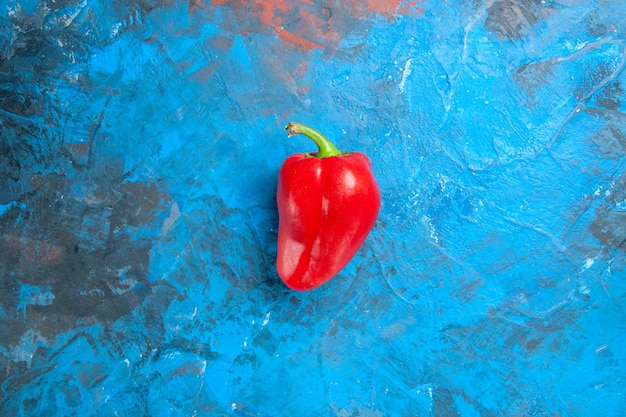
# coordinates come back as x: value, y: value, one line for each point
x: 324, y: 146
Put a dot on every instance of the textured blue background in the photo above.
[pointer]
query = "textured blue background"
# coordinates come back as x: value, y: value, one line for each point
x: 141, y: 141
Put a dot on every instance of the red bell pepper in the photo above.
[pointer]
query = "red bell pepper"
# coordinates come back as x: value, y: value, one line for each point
x: 328, y: 202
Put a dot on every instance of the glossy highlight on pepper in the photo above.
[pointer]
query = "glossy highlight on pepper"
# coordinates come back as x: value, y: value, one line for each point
x: 328, y: 202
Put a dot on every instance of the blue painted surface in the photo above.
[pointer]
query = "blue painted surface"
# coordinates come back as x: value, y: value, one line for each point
x: 141, y: 142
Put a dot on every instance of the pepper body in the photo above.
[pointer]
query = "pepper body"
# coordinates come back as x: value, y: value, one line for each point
x: 327, y: 206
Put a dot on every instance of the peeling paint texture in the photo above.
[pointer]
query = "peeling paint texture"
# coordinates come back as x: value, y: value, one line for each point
x: 141, y: 142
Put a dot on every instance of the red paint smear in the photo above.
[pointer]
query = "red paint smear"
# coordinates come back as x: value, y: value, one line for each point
x: 33, y: 251
x: 270, y: 14
x: 310, y: 24
x: 193, y: 5
x: 296, y: 40
x: 411, y: 6
x: 203, y: 74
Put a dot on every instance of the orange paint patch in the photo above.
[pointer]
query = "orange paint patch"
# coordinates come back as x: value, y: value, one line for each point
x: 383, y: 7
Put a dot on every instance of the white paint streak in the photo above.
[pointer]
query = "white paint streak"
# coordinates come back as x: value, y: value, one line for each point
x: 406, y: 73
x: 266, y: 319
